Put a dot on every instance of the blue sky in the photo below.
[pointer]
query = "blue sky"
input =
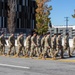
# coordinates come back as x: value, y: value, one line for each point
x: 61, y: 9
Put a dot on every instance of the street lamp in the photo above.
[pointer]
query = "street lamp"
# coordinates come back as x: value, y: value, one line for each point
x: 66, y: 24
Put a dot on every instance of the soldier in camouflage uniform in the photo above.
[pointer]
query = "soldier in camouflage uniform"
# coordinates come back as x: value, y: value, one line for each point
x: 43, y: 42
x: 66, y: 44
x: 73, y: 48
x: 28, y: 45
x: 47, y: 46
x: 2, y: 44
x: 33, y: 45
x: 59, y: 45
x: 20, y: 43
x: 53, y: 46
x: 38, y: 48
x: 11, y: 41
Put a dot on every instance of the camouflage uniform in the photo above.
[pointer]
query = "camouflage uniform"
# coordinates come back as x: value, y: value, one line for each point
x: 20, y: 42
x: 73, y: 45
x: 38, y: 48
x: 47, y: 46
x: 53, y: 46
x: 28, y: 45
x: 43, y: 43
x: 66, y: 45
x: 33, y: 45
x: 2, y: 44
x: 11, y: 42
x: 59, y: 45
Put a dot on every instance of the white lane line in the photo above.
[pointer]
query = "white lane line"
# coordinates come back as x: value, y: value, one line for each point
x: 13, y: 66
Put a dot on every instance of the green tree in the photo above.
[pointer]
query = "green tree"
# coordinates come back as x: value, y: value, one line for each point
x: 11, y: 16
x: 42, y: 16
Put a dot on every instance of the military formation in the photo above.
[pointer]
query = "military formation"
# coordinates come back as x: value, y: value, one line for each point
x: 44, y: 46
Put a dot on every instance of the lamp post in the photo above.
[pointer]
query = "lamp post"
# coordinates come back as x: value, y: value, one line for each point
x: 66, y: 24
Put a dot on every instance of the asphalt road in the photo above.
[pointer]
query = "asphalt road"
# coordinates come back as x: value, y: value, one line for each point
x: 28, y: 66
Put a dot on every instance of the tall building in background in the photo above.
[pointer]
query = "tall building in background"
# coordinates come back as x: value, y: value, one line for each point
x: 25, y: 14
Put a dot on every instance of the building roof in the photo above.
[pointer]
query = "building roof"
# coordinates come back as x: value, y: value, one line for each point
x: 63, y: 26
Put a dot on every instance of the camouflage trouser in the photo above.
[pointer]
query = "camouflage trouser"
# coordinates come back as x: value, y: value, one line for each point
x: 66, y: 48
x: 21, y: 49
x: 60, y: 48
x: 42, y: 49
x: 10, y: 49
x: 73, y: 49
x: 2, y: 49
x: 53, y: 51
x: 38, y: 51
x: 27, y: 50
x: 33, y: 51
x: 46, y: 52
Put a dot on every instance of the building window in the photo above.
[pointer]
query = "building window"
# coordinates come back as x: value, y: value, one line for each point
x: 0, y: 22
x: 23, y: 3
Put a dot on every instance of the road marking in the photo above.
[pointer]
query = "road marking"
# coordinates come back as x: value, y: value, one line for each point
x: 66, y: 60
x: 13, y: 66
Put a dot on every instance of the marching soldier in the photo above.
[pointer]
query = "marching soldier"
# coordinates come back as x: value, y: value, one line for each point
x: 28, y: 45
x: 2, y: 44
x: 59, y: 44
x: 33, y: 44
x: 43, y: 42
x: 53, y: 46
x: 11, y: 41
x: 38, y: 49
x: 47, y: 45
x: 66, y: 44
x: 20, y: 43
x: 73, y: 49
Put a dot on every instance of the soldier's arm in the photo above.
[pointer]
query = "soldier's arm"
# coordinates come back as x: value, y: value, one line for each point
x: 48, y: 45
x: 34, y: 43
x: 65, y: 40
x: 9, y: 40
x: 20, y: 43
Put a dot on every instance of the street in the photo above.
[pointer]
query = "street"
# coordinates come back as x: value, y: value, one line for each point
x: 28, y: 66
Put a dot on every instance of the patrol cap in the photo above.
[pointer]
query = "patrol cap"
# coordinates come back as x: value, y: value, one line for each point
x: 55, y: 33
x: 34, y: 32
x: 21, y: 33
x: 2, y: 32
x: 59, y: 33
x: 48, y: 32
x: 67, y: 33
x: 29, y: 33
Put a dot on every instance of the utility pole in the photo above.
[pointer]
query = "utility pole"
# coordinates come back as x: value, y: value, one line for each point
x: 67, y: 23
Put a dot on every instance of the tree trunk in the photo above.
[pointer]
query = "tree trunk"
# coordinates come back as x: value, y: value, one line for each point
x: 11, y: 16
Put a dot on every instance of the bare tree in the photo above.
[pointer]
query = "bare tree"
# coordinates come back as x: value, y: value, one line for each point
x: 11, y: 15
